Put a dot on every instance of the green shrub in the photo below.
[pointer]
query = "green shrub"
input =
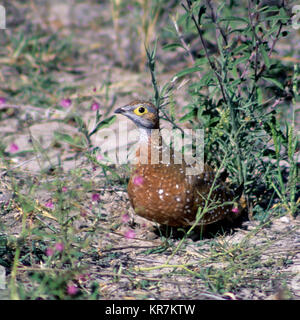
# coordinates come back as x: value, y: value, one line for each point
x: 237, y: 91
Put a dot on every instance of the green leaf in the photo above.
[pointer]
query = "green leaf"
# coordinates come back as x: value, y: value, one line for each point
x: 265, y: 56
x: 79, y: 121
x: 188, y: 116
x: 268, y: 9
x: 282, y: 15
x: 201, y: 61
x: 259, y: 96
x: 276, y: 18
x: 234, y: 83
x: 64, y: 137
x: 186, y: 71
x: 103, y: 124
x: 172, y: 46
x: 234, y: 72
x: 273, y: 29
x: 78, y: 141
x: 206, y: 79
x: 240, y: 48
x: 235, y: 19
x: 183, y: 19
x: 274, y: 81
x: 213, y: 121
x: 241, y: 59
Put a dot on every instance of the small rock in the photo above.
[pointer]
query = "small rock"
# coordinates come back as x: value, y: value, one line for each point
x: 285, y: 219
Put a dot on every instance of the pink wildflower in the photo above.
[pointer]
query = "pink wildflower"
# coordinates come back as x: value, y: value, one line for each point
x: 130, y: 234
x: 99, y: 157
x: 13, y: 148
x: 49, y: 252
x: 95, y: 106
x: 66, y: 103
x: 95, y: 197
x: 49, y: 204
x: 125, y: 218
x: 59, y: 246
x: 72, y: 289
x: 235, y: 210
x: 2, y: 100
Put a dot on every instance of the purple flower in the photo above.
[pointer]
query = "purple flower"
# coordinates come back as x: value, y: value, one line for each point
x: 125, y: 218
x: 99, y: 157
x: 13, y: 148
x: 2, y: 100
x: 49, y: 252
x: 95, y: 106
x: 49, y: 204
x: 138, y: 180
x: 95, y: 197
x: 72, y: 289
x: 235, y: 210
x: 94, y: 89
x: 66, y: 103
x: 59, y: 246
x: 64, y: 189
x: 129, y: 234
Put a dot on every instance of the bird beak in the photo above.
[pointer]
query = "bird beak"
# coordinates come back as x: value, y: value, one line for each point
x: 120, y: 110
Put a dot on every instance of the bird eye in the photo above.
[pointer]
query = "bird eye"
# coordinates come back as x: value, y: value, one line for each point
x: 140, y: 110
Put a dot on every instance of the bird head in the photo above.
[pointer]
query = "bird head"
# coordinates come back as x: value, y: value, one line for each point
x: 143, y: 113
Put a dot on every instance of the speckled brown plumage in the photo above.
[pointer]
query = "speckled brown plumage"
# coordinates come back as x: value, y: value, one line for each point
x: 163, y: 192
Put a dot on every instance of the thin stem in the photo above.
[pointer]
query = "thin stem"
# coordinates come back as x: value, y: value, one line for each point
x: 212, y: 65
x: 214, y: 19
x: 257, y: 39
x: 151, y: 61
x: 184, y: 44
x: 257, y: 74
